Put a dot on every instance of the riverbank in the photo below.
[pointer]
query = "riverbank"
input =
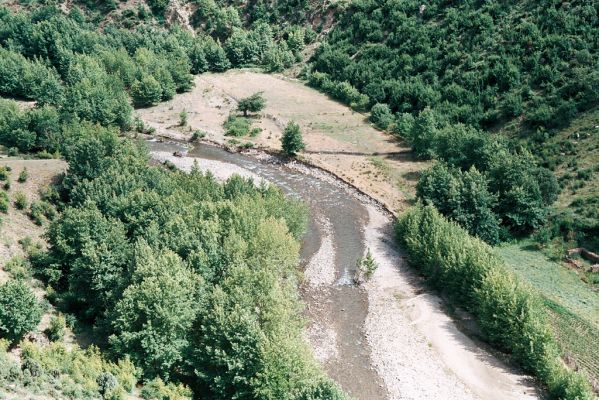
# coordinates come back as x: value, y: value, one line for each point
x: 414, y: 348
x: 338, y: 139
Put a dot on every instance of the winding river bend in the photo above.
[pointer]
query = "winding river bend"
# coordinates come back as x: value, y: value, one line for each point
x: 387, y: 339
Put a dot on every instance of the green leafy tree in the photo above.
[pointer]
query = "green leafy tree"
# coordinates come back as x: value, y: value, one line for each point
x: 90, y: 255
x: 291, y: 140
x: 463, y: 197
x: 254, y: 103
x: 154, y: 316
x: 20, y: 311
x: 146, y: 91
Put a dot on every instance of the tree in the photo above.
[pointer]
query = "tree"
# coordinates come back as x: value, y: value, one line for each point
x: 20, y: 311
x: 254, y: 103
x: 106, y: 384
x: 463, y: 197
x: 91, y: 254
x: 381, y: 116
x: 292, y: 141
x: 154, y: 316
x: 146, y: 91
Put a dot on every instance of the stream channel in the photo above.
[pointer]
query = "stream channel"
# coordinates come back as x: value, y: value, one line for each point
x: 337, y: 220
x: 389, y: 338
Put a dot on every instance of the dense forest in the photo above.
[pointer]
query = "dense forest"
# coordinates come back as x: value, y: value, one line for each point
x: 193, y: 281
x: 446, y: 77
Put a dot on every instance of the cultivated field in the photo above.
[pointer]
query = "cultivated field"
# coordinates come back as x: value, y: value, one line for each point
x: 573, y: 305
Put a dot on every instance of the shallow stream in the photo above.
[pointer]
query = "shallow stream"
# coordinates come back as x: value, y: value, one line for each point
x: 335, y: 236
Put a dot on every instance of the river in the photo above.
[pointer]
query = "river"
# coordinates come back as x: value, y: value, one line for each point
x: 388, y: 338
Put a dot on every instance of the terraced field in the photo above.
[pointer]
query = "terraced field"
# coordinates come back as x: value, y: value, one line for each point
x: 573, y: 305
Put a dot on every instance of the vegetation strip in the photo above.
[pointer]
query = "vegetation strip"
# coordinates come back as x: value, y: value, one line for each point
x: 510, y: 314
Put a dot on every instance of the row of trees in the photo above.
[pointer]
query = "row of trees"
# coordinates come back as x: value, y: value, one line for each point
x: 510, y: 314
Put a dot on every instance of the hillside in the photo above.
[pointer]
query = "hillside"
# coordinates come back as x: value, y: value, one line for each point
x: 476, y: 122
x: 526, y: 68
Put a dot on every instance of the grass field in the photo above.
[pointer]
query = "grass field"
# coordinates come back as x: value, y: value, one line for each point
x: 573, y: 305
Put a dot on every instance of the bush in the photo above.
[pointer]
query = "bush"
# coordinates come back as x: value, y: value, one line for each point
x: 18, y: 268
x: 197, y: 135
x: 183, y: 118
x: 107, y: 383
x: 39, y: 209
x: 156, y: 389
x: 381, y: 116
x: 56, y: 328
x: 365, y: 268
x: 236, y: 126
x: 20, y: 200
x: 4, y: 202
x: 19, y: 310
x: 23, y: 175
x: 4, y: 173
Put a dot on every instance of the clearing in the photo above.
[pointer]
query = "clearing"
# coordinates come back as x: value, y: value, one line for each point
x: 337, y: 139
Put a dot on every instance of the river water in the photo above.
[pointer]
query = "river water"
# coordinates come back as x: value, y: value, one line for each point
x: 336, y: 310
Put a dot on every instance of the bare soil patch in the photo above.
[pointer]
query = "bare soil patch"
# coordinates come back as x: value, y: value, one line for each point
x: 16, y: 225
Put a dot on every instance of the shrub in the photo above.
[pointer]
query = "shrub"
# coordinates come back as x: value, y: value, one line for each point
x: 4, y: 173
x: 4, y: 202
x: 18, y: 268
x: 156, y: 389
x: 107, y: 383
x: 197, y: 135
x: 365, y: 268
x: 183, y: 118
x: 381, y: 116
x: 56, y: 328
x: 23, y: 175
x: 236, y: 126
x: 19, y: 310
x: 20, y: 200
x: 291, y: 140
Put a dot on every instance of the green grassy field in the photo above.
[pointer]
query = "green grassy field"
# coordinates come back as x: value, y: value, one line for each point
x: 573, y: 305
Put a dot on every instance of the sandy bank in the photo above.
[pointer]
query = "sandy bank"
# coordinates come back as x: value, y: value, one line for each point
x: 416, y: 347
